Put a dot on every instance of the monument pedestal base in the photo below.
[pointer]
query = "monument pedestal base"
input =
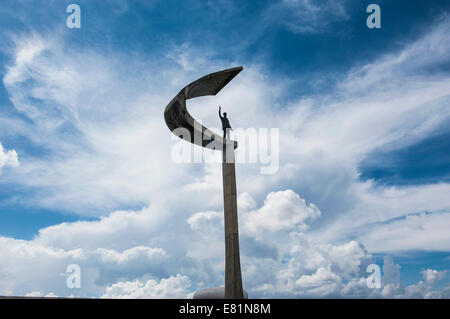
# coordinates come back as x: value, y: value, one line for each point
x: 213, y: 293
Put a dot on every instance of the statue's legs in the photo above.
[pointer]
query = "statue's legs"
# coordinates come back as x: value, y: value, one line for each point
x: 226, y: 134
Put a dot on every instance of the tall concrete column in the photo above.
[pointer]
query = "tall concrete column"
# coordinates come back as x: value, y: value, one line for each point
x: 233, y: 277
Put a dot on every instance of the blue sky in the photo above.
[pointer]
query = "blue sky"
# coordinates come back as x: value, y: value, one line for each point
x: 364, y: 146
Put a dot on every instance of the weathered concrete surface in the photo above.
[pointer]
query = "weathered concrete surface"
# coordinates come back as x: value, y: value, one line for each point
x: 233, y: 278
x: 178, y: 118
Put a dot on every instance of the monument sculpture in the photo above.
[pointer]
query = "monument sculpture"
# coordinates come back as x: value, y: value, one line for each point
x: 177, y: 117
x: 226, y: 126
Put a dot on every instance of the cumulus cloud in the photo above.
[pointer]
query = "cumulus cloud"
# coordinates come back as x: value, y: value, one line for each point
x: 135, y: 269
x: 432, y: 276
x: 392, y: 288
x: 163, y: 264
x: 391, y: 272
x: 173, y: 287
x: 282, y: 211
x: 322, y: 283
x: 426, y: 289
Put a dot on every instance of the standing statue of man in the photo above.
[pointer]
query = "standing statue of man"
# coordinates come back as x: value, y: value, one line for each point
x: 226, y: 127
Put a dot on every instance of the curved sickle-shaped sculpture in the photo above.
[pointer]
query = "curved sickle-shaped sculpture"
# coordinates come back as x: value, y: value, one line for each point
x: 178, y: 118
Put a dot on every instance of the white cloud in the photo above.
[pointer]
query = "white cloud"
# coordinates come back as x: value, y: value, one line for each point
x: 26, y: 51
x: 172, y: 287
x: 120, y: 156
x: 432, y: 276
x: 131, y: 255
x: 39, y: 294
x: 125, y: 262
x: 425, y: 290
x: 427, y: 231
x: 204, y: 221
x: 282, y: 211
x: 322, y: 283
x: 34, y: 294
x: 391, y: 272
x: 310, y: 16
x: 310, y: 261
x: 8, y: 158
x: 96, y: 129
